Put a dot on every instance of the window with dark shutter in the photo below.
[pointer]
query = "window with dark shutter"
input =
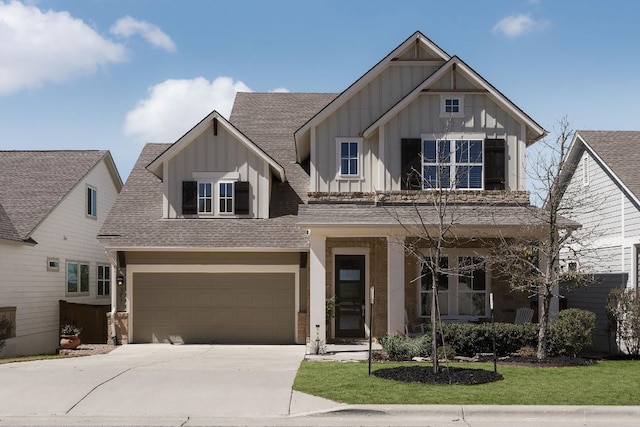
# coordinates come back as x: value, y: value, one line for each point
x: 411, y: 164
x: 241, y: 196
x: 189, y: 197
x: 495, y: 163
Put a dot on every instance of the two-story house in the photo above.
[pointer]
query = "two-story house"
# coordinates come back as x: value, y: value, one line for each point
x: 52, y: 205
x: 242, y: 229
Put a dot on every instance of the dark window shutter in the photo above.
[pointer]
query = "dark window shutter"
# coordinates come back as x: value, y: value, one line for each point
x: 241, y: 197
x: 494, y: 164
x: 189, y: 197
x: 411, y: 164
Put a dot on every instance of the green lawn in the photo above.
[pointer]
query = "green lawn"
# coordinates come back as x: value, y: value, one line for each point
x: 605, y: 383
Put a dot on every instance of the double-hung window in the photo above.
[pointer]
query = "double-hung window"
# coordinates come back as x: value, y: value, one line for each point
x: 104, y: 279
x: 225, y: 197
x: 350, y: 157
x: 77, y: 278
x: 452, y: 164
x: 463, y: 287
x: 205, y: 198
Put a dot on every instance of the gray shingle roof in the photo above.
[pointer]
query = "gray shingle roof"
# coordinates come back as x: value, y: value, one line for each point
x: 352, y: 215
x: 620, y: 150
x: 32, y: 183
x: 136, y: 220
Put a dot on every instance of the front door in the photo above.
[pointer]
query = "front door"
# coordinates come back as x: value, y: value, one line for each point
x: 350, y: 303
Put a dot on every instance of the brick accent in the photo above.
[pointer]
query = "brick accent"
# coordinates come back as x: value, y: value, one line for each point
x: 122, y: 328
x: 489, y: 197
x: 303, y: 328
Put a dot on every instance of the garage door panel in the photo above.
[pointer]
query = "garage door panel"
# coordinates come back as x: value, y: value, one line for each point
x: 206, y: 308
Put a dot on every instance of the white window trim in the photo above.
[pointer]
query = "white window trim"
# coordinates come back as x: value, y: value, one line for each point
x: 92, y: 215
x: 213, y: 197
x: 443, y: 99
x: 79, y: 292
x: 453, y: 308
x: 106, y: 267
x: 218, y: 198
x: 215, y: 179
x: 453, y: 138
x: 53, y: 264
x: 339, y: 142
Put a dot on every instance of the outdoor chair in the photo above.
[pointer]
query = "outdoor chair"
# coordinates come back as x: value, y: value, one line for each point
x: 412, y: 330
x: 524, y: 315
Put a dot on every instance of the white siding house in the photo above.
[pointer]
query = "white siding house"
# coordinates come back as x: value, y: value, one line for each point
x: 54, y: 203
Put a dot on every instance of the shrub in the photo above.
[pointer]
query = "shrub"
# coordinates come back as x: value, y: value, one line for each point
x: 624, y: 307
x: 400, y: 347
x: 468, y: 339
x: 571, y: 333
x: 6, y: 326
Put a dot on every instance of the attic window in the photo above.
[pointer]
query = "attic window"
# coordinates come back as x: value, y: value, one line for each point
x: 451, y: 105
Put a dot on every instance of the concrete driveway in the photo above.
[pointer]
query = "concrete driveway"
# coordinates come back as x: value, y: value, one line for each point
x: 156, y: 380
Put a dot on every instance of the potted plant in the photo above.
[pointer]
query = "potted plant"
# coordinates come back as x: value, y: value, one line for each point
x: 70, y: 336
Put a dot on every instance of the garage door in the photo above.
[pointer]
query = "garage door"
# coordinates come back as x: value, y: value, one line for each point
x: 208, y: 308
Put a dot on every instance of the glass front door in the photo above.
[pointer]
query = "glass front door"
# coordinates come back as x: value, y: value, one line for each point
x: 350, y: 302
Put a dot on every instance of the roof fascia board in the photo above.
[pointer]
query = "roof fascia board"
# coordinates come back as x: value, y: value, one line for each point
x: 364, y: 80
x: 105, y: 241
x: 155, y: 166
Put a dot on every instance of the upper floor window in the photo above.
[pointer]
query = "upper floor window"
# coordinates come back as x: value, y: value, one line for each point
x: 77, y: 278
x: 205, y: 198
x: 92, y: 202
x: 216, y: 194
x: 225, y: 198
x: 104, y: 279
x: 349, y: 157
x: 452, y: 164
x: 451, y: 106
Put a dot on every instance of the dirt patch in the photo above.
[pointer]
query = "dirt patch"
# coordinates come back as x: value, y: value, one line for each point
x: 446, y: 375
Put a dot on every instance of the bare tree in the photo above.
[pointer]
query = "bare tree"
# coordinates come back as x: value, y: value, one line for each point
x: 552, y: 246
x: 431, y: 219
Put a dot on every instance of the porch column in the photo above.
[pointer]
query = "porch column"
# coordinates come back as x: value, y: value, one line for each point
x: 317, y: 295
x: 395, y: 284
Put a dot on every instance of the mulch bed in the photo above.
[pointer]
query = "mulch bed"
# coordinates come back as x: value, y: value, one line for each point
x: 446, y: 375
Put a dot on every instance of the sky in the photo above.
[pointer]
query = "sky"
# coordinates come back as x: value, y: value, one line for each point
x: 113, y: 75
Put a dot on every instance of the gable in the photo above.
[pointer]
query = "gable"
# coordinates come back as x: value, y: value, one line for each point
x: 33, y: 183
x: 211, y: 136
x: 415, y: 58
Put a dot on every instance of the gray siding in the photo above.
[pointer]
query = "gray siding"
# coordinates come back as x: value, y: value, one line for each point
x: 218, y: 153
x: 422, y: 116
x: 594, y: 298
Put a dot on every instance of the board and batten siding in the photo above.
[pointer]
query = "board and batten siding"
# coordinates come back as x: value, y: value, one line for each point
x: 220, y: 153
x: 422, y: 116
x: 68, y: 235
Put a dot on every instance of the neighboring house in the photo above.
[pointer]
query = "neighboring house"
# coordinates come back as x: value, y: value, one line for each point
x: 240, y: 230
x: 602, y: 168
x: 52, y: 205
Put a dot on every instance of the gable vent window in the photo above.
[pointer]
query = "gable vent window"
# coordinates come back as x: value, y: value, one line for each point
x: 451, y: 106
x: 92, y: 202
x: 585, y: 170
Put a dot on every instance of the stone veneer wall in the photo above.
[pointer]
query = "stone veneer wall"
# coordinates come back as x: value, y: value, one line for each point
x: 377, y: 276
x: 489, y: 197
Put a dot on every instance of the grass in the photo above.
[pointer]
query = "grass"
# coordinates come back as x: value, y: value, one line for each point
x: 604, y: 383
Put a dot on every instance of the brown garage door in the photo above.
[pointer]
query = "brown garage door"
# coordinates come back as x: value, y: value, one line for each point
x: 214, y: 308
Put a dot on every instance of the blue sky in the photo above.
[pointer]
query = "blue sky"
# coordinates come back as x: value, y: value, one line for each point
x: 97, y: 74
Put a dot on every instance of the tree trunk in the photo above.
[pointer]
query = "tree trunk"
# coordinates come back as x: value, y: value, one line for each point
x: 434, y: 322
x: 544, y: 323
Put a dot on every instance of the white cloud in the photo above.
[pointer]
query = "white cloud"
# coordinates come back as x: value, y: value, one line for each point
x: 174, y: 106
x: 517, y: 25
x: 39, y: 47
x: 280, y: 90
x: 127, y: 27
